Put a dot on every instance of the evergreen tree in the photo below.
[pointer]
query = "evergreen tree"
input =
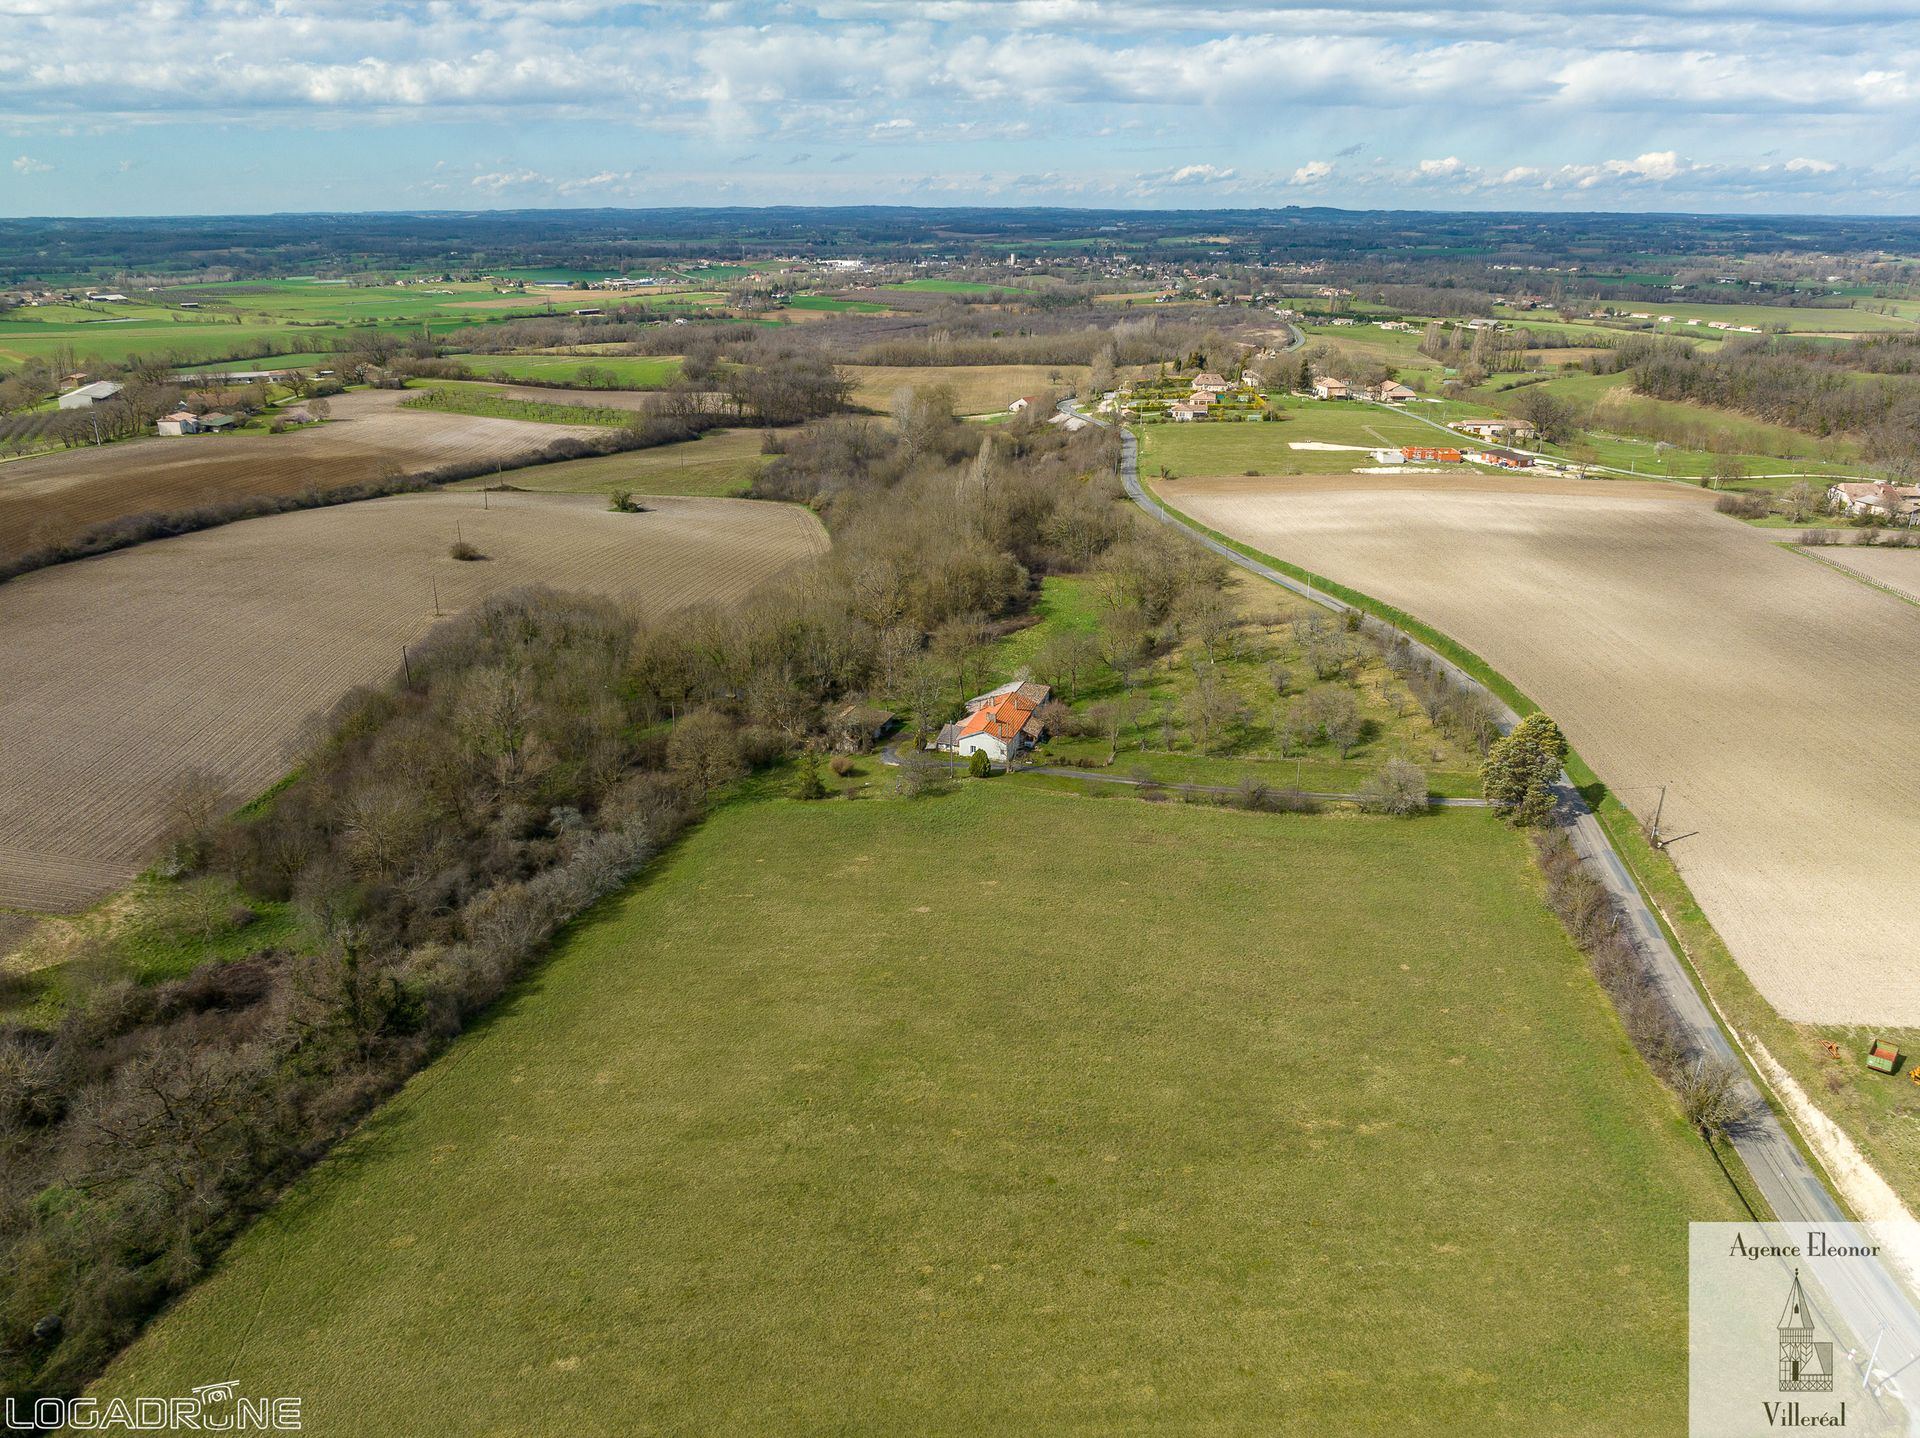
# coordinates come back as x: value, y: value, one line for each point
x: 809, y: 785
x: 1520, y: 769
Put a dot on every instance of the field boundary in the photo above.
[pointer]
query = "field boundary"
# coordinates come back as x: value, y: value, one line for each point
x: 1847, y: 571
x: 129, y: 531
x: 1773, y: 1145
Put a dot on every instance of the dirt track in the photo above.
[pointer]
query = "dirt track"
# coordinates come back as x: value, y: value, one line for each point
x: 209, y: 651
x: 1776, y: 696
x: 51, y: 497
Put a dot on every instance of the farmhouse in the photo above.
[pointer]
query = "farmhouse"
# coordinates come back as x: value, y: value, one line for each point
x: 99, y: 392
x: 1899, y: 503
x: 1391, y: 392
x: 1026, y: 402
x: 1331, y: 389
x: 181, y: 421
x: 999, y: 720
x: 1185, y: 413
x: 1495, y: 428
x: 1208, y: 380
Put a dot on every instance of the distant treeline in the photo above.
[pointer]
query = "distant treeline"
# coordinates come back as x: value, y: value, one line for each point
x: 1867, y: 390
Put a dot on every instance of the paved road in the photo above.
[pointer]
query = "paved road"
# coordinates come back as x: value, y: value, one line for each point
x: 1870, y: 1299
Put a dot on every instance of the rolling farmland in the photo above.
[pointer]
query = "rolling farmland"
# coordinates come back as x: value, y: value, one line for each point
x: 774, y: 1143
x: 721, y: 463
x: 977, y: 389
x: 1678, y: 647
x: 209, y: 651
x: 51, y: 497
x: 1897, y: 569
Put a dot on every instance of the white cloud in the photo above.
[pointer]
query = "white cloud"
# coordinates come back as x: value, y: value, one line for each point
x: 1197, y: 175
x: 1312, y: 173
x: 1519, y: 175
x: 507, y: 179
x: 1654, y: 165
x: 1812, y: 167
x: 1440, y: 169
x: 27, y: 165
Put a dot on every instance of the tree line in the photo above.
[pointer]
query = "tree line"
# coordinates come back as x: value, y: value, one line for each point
x: 442, y: 826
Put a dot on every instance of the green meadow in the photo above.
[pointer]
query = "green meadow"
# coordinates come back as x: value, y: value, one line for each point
x: 998, y: 1111
x: 628, y: 371
x: 721, y: 464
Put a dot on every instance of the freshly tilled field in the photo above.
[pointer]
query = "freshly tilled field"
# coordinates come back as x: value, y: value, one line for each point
x: 210, y: 651
x: 1776, y: 697
x: 47, y: 498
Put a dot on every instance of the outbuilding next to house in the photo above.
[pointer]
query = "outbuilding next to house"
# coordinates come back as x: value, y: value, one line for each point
x: 99, y: 392
x: 181, y: 421
x: 1003, y: 719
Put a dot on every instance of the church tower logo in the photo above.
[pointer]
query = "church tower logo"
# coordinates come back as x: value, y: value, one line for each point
x: 1805, y: 1366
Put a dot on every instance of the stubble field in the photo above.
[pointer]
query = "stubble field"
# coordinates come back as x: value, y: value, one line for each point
x: 210, y: 651
x: 1675, y: 646
x: 53, y: 497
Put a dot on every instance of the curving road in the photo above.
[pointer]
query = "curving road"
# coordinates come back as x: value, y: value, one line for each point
x: 1870, y: 1299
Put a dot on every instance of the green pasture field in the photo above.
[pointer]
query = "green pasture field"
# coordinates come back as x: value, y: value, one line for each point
x: 455, y: 397
x: 632, y: 371
x: 720, y: 464
x: 835, y: 305
x: 1148, y: 1118
x: 292, y: 315
x: 1391, y: 347
x: 1259, y: 446
x: 945, y: 287
x: 1829, y: 321
x: 1628, y: 430
x: 311, y: 359
x: 196, y: 340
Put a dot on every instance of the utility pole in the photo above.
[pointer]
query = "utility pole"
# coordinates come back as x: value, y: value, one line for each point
x: 436, y: 595
x: 1657, y: 808
x: 406, y: 665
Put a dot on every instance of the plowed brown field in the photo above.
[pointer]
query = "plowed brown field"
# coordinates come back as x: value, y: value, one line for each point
x: 52, y: 497
x: 208, y: 651
x: 1777, y: 698
x: 1898, y: 569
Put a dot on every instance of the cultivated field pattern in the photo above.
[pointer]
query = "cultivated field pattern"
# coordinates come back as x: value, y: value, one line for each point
x: 209, y: 651
x: 52, y: 497
x: 1776, y: 697
x: 1897, y: 569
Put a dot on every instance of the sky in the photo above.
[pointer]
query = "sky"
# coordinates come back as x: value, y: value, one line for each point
x: 252, y: 106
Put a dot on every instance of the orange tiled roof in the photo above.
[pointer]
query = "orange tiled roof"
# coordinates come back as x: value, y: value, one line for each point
x: 1003, y: 718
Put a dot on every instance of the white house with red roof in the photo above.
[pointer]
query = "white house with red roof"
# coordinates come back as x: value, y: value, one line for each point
x: 1003, y: 719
